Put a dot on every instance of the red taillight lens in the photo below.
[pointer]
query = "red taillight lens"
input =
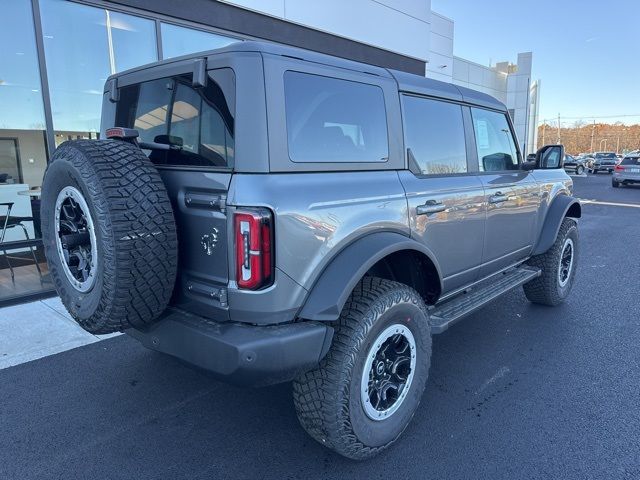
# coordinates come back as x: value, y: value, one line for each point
x: 254, y: 255
x: 619, y: 168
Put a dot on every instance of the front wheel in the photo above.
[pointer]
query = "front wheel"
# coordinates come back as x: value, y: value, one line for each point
x: 579, y: 170
x: 366, y: 390
x: 558, y: 267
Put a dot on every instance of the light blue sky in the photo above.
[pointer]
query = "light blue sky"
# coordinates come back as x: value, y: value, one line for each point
x: 587, y: 53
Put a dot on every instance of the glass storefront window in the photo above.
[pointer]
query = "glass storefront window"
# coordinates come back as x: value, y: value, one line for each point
x: 83, y: 46
x: 178, y: 41
x: 77, y: 55
x: 23, y: 155
x: 133, y: 39
x: 20, y: 95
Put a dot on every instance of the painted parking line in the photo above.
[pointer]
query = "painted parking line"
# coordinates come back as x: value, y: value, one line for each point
x: 585, y: 201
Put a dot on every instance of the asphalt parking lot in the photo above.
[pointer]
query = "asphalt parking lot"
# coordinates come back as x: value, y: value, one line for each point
x: 515, y: 391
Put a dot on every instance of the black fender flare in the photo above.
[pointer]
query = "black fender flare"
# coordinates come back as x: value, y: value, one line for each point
x: 562, y: 206
x: 334, y: 285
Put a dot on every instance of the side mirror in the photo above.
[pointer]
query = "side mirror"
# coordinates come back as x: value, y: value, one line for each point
x: 550, y: 157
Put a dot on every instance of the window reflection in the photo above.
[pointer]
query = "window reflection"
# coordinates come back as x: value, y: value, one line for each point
x: 178, y: 41
x: 134, y: 40
x: 83, y: 46
x: 22, y: 155
x: 494, y: 141
x: 435, y: 137
x: 20, y: 95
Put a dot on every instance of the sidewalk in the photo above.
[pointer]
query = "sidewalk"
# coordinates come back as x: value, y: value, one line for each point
x: 39, y: 329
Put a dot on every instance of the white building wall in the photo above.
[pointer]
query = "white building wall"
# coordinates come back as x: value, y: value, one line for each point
x: 410, y: 28
x: 440, y: 66
x: 509, y: 83
x: 374, y: 22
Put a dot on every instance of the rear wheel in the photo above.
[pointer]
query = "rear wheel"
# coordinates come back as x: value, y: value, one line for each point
x: 614, y: 183
x: 366, y: 390
x: 579, y: 170
x: 109, y: 234
x: 558, y: 267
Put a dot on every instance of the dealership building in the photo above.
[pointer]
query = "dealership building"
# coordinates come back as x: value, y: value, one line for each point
x: 57, y: 55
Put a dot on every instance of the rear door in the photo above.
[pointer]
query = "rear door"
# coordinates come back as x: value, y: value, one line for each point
x: 193, y: 129
x: 512, y: 195
x: 446, y: 202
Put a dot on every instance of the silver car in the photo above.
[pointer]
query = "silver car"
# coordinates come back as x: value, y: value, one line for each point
x: 627, y: 172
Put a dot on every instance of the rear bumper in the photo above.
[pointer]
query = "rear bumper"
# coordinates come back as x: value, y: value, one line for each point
x: 239, y: 354
x: 626, y: 177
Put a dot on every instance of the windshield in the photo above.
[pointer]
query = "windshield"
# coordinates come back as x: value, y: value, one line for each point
x: 606, y: 155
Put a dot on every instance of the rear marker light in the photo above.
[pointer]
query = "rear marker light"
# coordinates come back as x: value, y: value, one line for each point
x: 254, y: 258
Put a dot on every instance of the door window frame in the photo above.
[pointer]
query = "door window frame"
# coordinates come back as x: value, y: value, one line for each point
x: 275, y: 67
x: 474, y: 151
x: 469, y: 136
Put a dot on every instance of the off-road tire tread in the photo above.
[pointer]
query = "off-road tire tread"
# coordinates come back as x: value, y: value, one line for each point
x: 544, y: 289
x: 138, y: 230
x: 321, y: 396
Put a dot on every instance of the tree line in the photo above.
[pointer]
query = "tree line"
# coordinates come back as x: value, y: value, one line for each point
x: 584, y: 137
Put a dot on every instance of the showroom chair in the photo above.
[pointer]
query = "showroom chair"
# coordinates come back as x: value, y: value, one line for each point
x: 7, y: 222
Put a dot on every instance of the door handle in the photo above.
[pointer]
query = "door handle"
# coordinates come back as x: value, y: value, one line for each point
x: 430, y: 207
x: 499, y: 198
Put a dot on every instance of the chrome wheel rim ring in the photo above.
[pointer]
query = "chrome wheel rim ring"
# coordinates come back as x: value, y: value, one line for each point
x: 393, y: 375
x: 72, y: 217
x: 566, y: 262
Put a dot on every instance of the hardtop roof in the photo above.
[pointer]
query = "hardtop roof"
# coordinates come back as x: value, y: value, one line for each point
x: 407, y: 82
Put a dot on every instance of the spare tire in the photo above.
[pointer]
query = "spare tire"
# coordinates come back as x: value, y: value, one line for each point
x: 109, y: 234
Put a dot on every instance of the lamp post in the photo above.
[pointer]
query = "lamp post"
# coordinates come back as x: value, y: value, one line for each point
x: 605, y: 144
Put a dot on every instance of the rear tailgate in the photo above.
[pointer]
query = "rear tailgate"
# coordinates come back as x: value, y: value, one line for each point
x: 188, y: 132
x: 198, y: 200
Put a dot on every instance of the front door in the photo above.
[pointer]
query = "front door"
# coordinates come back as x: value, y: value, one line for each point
x: 446, y: 204
x: 512, y: 195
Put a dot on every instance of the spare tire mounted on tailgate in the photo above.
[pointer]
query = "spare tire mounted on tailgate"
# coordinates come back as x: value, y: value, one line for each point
x: 109, y: 234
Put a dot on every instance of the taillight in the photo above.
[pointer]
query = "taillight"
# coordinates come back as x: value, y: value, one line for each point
x: 254, y: 254
x: 619, y: 168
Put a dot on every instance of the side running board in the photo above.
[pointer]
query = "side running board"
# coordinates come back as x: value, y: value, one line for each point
x: 442, y: 316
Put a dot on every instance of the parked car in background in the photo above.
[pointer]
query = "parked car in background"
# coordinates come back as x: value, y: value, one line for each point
x: 574, y: 164
x: 627, y: 172
x: 603, y: 161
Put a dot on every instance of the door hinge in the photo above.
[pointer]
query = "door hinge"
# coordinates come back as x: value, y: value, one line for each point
x: 207, y: 201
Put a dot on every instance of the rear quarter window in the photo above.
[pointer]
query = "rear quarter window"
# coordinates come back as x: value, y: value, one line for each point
x: 197, y: 122
x: 334, y: 120
x: 630, y: 161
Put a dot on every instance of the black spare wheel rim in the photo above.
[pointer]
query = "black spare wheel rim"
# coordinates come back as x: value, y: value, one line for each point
x: 76, y: 239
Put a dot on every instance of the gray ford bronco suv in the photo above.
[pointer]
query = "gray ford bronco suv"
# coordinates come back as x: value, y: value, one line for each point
x: 273, y: 214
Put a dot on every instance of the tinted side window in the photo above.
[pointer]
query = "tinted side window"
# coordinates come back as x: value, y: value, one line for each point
x: 494, y: 141
x: 434, y: 133
x: 332, y: 120
x: 198, y: 122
